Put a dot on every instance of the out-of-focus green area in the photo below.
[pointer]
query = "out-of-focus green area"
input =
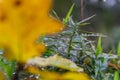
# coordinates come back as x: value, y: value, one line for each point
x: 107, y: 20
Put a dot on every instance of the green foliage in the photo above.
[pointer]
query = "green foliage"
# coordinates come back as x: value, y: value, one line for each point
x: 68, y: 14
x: 99, y: 47
x: 7, y: 67
x: 116, y: 75
x: 41, y: 39
x: 75, y: 46
x: 118, y: 50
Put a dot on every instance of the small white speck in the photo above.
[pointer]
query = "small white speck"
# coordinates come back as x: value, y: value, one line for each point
x: 104, y: 0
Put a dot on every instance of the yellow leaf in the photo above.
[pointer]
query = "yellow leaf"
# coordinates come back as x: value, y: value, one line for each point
x: 75, y: 76
x: 2, y: 76
x: 56, y: 61
x: 44, y: 75
x: 57, y: 76
x: 21, y: 23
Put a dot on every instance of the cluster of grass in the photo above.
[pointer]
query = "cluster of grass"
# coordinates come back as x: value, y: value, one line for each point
x: 76, y: 46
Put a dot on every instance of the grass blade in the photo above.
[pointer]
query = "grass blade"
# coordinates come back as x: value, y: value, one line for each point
x: 116, y: 75
x: 118, y: 50
x: 68, y: 14
x: 99, y: 49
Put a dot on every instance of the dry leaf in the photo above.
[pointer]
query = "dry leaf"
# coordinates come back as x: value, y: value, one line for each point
x: 56, y: 61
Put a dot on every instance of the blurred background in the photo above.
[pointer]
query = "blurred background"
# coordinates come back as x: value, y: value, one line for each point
x: 106, y: 21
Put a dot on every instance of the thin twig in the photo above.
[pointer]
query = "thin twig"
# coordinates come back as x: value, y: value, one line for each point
x: 84, y: 20
x: 81, y: 9
x: 115, y: 66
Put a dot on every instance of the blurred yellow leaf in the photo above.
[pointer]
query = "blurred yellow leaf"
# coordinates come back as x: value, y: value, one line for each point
x: 57, y: 76
x: 56, y: 61
x: 75, y: 76
x: 21, y: 23
x: 2, y: 76
x: 43, y: 74
x: 65, y: 76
